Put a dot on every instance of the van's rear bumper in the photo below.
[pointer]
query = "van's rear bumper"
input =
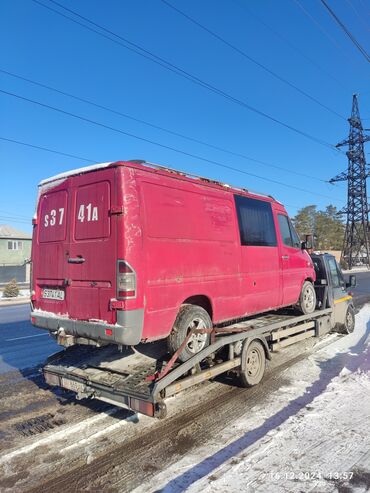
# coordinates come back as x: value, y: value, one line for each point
x: 128, y: 329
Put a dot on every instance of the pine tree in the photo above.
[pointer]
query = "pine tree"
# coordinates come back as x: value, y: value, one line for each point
x: 11, y: 289
x: 305, y: 220
x: 329, y: 229
x: 326, y: 226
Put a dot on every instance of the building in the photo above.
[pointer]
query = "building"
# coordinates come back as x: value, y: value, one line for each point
x: 15, y: 251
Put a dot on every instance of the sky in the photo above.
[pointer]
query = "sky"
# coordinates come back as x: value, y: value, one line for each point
x: 248, y: 111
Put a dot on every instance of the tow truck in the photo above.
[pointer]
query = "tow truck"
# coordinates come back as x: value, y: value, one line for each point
x: 141, y: 379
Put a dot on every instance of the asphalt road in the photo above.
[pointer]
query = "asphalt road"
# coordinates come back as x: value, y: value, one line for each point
x: 23, y: 346
x: 362, y: 290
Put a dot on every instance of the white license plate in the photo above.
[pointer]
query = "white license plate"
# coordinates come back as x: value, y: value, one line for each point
x: 72, y: 385
x: 53, y: 294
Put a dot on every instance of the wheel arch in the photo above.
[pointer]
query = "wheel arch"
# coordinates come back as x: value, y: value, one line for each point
x: 200, y: 300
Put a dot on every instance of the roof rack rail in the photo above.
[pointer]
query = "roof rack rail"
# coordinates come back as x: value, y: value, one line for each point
x: 198, y: 177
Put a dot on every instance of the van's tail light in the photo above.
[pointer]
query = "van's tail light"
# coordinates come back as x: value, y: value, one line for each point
x: 126, y: 281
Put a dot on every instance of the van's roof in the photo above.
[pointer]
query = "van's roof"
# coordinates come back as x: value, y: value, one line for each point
x: 72, y: 172
x: 145, y: 165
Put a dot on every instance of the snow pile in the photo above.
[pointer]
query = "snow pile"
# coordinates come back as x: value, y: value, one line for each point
x: 23, y: 293
x: 72, y: 172
x: 323, y: 446
x: 310, y: 435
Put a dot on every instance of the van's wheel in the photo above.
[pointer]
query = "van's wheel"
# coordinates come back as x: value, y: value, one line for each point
x: 349, y: 322
x: 307, y: 298
x: 253, y: 364
x: 189, y: 317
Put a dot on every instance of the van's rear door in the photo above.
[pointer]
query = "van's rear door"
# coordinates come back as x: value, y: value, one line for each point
x: 79, y: 246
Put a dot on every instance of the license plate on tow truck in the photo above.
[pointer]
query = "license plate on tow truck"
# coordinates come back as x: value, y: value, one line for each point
x: 66, y: 383
x: 53, y: 294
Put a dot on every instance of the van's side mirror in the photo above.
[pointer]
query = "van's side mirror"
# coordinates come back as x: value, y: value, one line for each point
x: 303, y: 245
x: 352, y: 281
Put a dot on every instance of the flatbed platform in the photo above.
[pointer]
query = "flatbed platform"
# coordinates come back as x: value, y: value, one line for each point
x: 141, y: 378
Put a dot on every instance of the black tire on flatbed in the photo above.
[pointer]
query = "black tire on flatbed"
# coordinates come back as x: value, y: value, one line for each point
x: 189, y: 316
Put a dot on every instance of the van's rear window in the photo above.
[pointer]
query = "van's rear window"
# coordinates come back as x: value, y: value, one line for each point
x: 53, y: 216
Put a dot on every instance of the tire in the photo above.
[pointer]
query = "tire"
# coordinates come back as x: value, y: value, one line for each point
x: 349, y: 322
x: 189, y: 316
x: 254, y: 364
x: 307, y: 298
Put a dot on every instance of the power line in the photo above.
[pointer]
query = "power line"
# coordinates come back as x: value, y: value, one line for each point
x: 62, y: 153
x: 15, y: 220
x: 157, y: 127
x: 324, y: 31
x: 356, y: 245
x: 163, y: 146
x: 292, y: 45
x: 47, y: 149
x: 344, y: 28
x: 173, y: 68
x: 11, y: 214
x: 366, y: 7
x: 358, y: 15
x: 252, y: 60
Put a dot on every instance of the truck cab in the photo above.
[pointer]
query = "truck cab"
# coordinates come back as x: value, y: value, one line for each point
x: 332, y: 291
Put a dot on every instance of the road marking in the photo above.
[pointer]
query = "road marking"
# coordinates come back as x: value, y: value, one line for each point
x: 25, y: 337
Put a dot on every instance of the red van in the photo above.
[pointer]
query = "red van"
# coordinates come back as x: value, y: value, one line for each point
x: 129, y: 252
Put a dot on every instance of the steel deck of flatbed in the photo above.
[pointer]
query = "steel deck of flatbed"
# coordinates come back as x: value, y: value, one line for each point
x: 123, y: 378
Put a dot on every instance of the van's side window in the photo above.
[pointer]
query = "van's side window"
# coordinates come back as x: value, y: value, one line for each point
x: 256, y: 223
x: 287, y: 232
x: 295, y: 238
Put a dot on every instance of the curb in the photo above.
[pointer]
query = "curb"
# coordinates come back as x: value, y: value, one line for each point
x: 14, y: 301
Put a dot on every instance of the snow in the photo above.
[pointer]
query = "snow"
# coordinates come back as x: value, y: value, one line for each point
x: 43, y: 313
x: 23, y: 293
x: 78, y: 171
x: 59, y: 435
x: 43, y: 188
x: 309, y: 435
x: 56, y: 180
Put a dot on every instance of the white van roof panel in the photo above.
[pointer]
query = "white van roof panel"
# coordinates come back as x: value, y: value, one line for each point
x: 73, y: 172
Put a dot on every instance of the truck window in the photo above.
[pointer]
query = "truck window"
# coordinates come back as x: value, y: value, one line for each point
x: 287, y: 232
x: 256, y: 223
x: 336, y: 274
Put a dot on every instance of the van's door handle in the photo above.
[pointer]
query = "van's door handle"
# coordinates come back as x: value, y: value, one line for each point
x: 285, y: 257
x: 77, y: 260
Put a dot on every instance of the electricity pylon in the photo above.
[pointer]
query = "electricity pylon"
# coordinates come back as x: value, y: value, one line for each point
x: 356, y: 248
